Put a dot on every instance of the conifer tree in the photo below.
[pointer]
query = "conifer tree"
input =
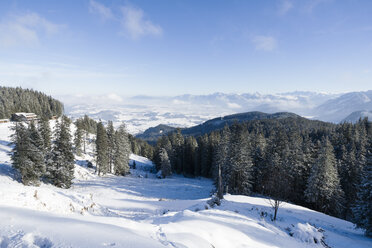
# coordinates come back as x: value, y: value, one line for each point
x: 78, y: 139
x: 45, y: 132
x: 60, y: 166
x: 20, y: 159
x: 36, y: 150
x: 111, y: 145
x: 102, y: 159
x: 221, y: 162
x: 241, y: 163
x: 165, y: 163
x: 363, y: 207
x: 323, y: 186
x: 122, y: 151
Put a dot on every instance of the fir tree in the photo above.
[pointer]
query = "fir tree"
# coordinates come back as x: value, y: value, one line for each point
x: 241, y: 163
x: 45, y: 132
x: 27, y: 154
x: 78, y: 139
x: 111, y: 145
x: 122, y: 151
x: 363, y: 207
x: 221, y: 162
x: 165, y: 163
x: 323, y: 187
x: 102, y: 159
x: 60, y: 166
x: 36, y: 150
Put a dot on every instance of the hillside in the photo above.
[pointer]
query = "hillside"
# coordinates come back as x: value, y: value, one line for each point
x: 141, y: 210
x: 355, y: 116
x: 152, y: 134
x: 14, y: 100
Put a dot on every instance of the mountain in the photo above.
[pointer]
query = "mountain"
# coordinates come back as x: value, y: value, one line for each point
x: 220, y: 122
x: 355, y: 116
x: 152, y: 134
x: 336, y: 110
x: 142, y: 112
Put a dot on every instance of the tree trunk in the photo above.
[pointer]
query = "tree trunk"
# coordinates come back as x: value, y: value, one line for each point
x: 219, y: 184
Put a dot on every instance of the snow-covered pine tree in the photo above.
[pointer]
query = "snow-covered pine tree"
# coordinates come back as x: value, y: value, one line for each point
x: 122, y: 151
x: 102, y: 159
x: 111, y: 144
x: 176, y: 155
x: 78, y: 138
x: 221, y: 164
x: 363, y: 207
x: 241, y: 162
x: 165, y: 163
x: 36, y: 150
x: 45, y: 132
x: 20, y: 161
x: 60, y: 166
x: 323, y: 186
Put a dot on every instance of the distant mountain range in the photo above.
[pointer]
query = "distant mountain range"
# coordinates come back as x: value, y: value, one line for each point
x: 338, y: 109
x: 355, y: 116
x: 152, y: 134
x: 143, y: 112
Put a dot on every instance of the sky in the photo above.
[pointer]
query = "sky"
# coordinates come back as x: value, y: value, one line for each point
x: 172, y: 47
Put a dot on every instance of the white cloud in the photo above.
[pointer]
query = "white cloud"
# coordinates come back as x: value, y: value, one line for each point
x: 233, y: 105
x: 136, y: 25
x: 25, y: 29
x: 114, y: 97
x: 265, y: 43
x: 104, y: 12
x: 285, y: 6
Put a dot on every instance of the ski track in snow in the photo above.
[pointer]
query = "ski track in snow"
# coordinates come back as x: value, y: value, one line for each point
x: 141, y: 210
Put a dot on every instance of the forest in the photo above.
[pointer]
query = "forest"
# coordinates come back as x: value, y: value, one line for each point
x: 323, y: 166
x: 27, y: 100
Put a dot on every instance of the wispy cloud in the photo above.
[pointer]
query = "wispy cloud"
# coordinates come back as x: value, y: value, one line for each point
x: 284, y: 7
x: 133, y: 20
x: 136, y: 25
x: 265, y: 43
x: 25, y: 29
x: 104, y: 12
x: 312, y: 4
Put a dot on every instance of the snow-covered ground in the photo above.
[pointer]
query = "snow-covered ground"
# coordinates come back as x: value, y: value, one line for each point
x: 141, y: 210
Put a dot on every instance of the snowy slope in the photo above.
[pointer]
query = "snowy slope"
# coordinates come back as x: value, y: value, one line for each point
x: 142, y: 211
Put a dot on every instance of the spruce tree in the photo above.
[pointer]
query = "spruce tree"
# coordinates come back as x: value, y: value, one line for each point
x: 60, y: 166
x: 241, y: 163
x: 45, y: 132
x: 78, y: 139
x: 36, y: 150
x: 121, y: 152
x: 165, y: 163
x: 111, y: 145
x: 102, y: 159
x: 221, y: 162
x: 28, y: 154
x: 363, y: 207
x: 323, y: 186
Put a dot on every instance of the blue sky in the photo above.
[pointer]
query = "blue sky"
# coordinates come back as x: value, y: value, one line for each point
x: 170, y: 47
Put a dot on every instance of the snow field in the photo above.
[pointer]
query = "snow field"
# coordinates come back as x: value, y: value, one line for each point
x: 141, y: 210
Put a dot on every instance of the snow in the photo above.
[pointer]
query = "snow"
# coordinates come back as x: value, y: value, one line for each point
x: 141, y: 210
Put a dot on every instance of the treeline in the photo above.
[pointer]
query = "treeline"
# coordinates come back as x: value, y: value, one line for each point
x: 14, y: 100
x: 112, y: 147
x: 87, y: 125
x: 36, y: 158
x: 319, y: 165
